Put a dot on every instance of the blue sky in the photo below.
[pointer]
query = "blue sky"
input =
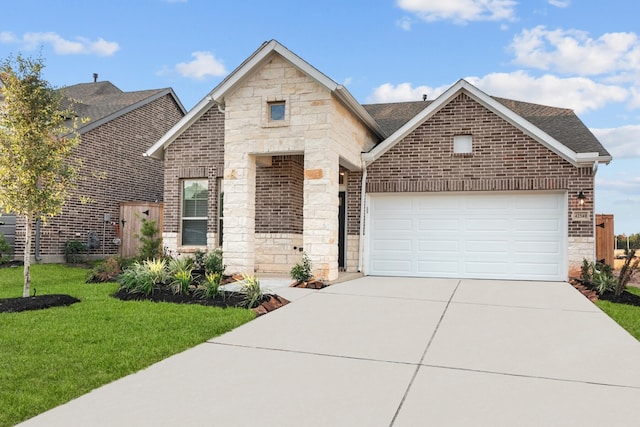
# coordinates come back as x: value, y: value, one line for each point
x: 576, y: 54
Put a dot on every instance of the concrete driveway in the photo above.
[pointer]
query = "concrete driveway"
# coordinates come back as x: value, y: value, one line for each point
x: 391, y: 352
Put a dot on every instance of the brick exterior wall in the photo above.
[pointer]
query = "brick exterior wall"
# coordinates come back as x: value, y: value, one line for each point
x: 279, y: 195
x: 113, y: 171
x: 503, y: 159
x: 197, y: 153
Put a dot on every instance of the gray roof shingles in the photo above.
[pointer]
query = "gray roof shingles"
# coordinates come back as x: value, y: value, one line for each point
x: 560, y: 123
x: 99, y: 100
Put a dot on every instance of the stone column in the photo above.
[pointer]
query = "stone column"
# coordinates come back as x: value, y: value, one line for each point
x: 239, y: 188
x: 320, y: 212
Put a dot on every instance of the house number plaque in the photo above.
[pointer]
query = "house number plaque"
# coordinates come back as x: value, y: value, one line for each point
x: 581, y: 216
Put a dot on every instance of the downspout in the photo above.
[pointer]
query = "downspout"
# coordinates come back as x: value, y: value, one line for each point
x: 593, y: 201
x: 363, y: 198
x: 37, y: 243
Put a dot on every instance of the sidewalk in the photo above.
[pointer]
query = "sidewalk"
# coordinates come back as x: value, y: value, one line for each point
x: 391, y: 351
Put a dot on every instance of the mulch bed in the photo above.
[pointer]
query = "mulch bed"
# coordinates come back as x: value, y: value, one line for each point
x: 14, y: 305
x: 625, y: 298
x: 310, y: 284
x: 231, y: 299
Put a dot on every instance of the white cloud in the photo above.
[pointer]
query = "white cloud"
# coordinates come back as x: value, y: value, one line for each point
x: 460, y: 11
x: 405, y: 23
x: 61, y: 46
x: 575, y: 52
x: 560, y: 3
x: 625, y: 185
x: 578, y: 93
x: 621, y: 142
x: 204, y: 64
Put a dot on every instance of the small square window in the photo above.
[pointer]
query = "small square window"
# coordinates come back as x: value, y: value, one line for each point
x: 462, y: 144
x: 276, y: 111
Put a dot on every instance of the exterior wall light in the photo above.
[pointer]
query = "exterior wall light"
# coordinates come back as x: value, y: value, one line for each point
x: 581, y: 198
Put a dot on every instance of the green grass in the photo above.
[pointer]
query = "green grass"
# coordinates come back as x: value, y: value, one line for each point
x: 48, y: 357
x: 627, y: 316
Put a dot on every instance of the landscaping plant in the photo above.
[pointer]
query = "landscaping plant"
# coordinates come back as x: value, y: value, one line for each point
x: 5, y: 250
x: 301, y: 272
x: 181, y: 281
x: 252, y: 290
x: 211, y: 286
x: 73, y: 250
x: 212, y: 262
x: 150, y: 242
x: 627, y: 271
x: 106, y: 270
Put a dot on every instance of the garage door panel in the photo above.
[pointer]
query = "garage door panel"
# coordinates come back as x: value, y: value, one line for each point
x: 434, y: 246
x: 437, y: 224
x: 393, y: 245
x: 515, y: 235
x: 439, y: 268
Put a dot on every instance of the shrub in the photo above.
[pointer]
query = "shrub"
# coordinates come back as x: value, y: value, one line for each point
x: 150, y: 242
x: 586, y: 271
x: 106, y: 270
x: 181, y: 282
x: 72, y: 251
x: 136, y: 279
x: 5, y: 250
x: 157, y: 270
x: 301, y: 272
x: 176, y: 265
x: 252, y: 290
x: 213, y: 262
x: 211, y: 286
x: 627, y: 271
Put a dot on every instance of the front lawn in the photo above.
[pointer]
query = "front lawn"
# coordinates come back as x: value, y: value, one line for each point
x: 51, y: 356
x: 627, y: 316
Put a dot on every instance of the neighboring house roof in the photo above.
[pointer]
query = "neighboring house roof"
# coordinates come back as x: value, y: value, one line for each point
x: 102, y: 102
x: 233, y: 80
x: 558, y: 129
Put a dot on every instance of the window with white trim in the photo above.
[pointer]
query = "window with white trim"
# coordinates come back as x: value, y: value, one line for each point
x: 194, y: 212
x: 462, y: 144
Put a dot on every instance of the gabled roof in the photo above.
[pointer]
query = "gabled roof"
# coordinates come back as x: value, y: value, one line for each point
x: 237, y: 77
x: 102, y: 102
x: 558, y: 129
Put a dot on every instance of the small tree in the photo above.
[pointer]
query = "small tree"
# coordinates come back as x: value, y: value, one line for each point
x: 150, y: 242
x: 35, y: 146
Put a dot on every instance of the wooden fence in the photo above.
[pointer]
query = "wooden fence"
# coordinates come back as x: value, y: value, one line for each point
x: 131, y: 215
x: 605, y: 240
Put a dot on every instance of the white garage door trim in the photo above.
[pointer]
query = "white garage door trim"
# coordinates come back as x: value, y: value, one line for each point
x: 484, y: 235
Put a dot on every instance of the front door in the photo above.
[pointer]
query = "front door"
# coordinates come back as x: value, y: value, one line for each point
x: 342, y: 198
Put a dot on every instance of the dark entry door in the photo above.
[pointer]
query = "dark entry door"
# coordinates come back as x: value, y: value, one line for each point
x: 342, y: 199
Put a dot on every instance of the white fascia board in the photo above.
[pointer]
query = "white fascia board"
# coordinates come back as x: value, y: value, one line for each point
x: 345, y: 96
x: 157, y: 150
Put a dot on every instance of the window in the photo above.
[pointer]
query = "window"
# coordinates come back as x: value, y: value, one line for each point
x: 276, y: 111
x: 194, y: 212
x: 462, y: 144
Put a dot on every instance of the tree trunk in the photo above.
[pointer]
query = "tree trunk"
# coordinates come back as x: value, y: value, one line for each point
x: 27, y: 258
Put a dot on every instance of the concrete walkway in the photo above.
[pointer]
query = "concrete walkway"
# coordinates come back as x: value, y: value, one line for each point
x: 391, y: 352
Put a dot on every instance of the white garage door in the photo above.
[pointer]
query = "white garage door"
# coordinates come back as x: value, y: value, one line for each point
x: 510, y: 235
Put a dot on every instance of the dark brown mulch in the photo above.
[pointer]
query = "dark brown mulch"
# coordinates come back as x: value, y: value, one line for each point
x: 14, y: 305
x: 227, y: 299
x: 588, y: 290
x: 230, y: 299
x: 625, y: 298
x: 11, y: 264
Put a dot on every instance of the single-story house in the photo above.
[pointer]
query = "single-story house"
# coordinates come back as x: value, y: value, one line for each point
x: 120, y: 126
x: 279, y: 159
